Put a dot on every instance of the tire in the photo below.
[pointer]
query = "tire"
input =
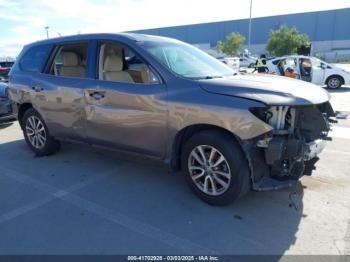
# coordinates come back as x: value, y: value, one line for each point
x: 235, y: 163
x: 334, y: 82
x: 39, y: 139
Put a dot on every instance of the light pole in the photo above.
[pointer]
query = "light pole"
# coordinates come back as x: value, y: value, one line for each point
x: 250, y: 24
x: 47, y: 31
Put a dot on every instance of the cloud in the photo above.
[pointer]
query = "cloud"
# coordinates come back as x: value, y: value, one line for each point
x: 14, y: 46
x: 10, y: 49
x: 20, y: 29
x: 28, y: 18
x: 18, y: 11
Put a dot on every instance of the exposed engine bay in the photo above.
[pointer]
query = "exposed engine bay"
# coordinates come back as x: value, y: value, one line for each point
x: 299, y: 134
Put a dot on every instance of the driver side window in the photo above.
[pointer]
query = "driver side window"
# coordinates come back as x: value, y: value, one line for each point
x: 120, y: 64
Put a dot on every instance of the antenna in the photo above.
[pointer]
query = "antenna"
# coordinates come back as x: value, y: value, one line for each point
x: 250, y: 24
x: 47, y: 31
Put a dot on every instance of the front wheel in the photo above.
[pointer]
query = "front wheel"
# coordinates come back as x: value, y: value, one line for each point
x: 37, y: 134
x: 334, y: 82
x: 215, y: 167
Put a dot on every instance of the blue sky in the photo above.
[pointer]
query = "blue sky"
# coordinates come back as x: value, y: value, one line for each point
x: 23, y: 21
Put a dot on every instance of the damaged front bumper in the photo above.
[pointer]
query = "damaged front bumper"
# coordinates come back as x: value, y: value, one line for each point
x: 279, y: 158
x: 286, y: 162
x: 314, y: 148
x: 292, y: 149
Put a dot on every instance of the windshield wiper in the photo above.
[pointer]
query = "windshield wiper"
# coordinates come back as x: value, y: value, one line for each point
x: 211, y: 77
x: 205, y: 77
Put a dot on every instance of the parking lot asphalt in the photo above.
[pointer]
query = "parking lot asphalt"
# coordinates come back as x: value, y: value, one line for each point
x: 86, y: 200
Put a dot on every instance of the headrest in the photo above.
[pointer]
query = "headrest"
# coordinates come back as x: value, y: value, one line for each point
x: 113, y: 63
x: 70, y: 59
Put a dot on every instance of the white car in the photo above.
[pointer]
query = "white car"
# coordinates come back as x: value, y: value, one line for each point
x: 247, y: 61
x: 310, y: 69
x: 232, y: 62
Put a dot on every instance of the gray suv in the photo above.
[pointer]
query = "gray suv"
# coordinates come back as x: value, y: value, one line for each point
x: 166, y: 99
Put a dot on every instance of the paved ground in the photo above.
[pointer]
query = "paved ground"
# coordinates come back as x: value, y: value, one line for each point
x: 91, y: 201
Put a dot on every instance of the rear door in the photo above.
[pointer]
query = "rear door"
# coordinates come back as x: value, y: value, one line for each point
x: 127, y: 108
x: 59, y: 92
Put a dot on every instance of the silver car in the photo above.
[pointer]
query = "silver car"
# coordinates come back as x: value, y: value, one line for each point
x: 166, y: 99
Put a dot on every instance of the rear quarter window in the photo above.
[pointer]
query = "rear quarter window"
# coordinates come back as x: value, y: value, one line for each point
x: 34, y: 59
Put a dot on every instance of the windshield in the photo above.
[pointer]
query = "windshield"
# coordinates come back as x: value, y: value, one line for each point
x: 316, y: 62
x: 186, y: 60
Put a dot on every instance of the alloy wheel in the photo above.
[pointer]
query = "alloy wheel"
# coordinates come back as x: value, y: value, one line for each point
x: 209, y: 170
x: 35, y: 131
x: 334, y: 82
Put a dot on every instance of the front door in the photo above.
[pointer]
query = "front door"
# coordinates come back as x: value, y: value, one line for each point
x: 127, y: 108
x: 318, y: 73
x: 305, y: 69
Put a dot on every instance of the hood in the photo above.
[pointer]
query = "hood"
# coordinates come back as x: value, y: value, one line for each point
x: 269, y: 89
x: 341, y: 68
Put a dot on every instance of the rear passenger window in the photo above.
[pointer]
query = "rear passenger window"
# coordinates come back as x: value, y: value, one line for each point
x: 120, y: 64
x: 34, y: 59
x: 70, y: 60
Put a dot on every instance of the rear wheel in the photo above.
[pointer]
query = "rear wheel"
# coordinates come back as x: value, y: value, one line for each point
x: 334, y: 82
x: 215, y: 167
x: 37, y: 134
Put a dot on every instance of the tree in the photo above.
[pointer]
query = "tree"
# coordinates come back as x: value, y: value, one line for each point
x: 285, y: 41
x: 232, y: 44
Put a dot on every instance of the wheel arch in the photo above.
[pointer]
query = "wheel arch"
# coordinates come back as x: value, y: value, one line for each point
x: 185, y: 133
x: 22, y: 108
x: 335, y: 75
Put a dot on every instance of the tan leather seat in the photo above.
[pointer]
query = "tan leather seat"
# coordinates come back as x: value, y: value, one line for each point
x: 113, y: 70
x: 71, y: 65
x: 144, y: 75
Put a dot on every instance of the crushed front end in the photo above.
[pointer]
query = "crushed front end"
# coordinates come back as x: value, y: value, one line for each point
x: 284, y: 154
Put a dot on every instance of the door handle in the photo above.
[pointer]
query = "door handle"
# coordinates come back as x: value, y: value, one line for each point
x: 37, y: 89
x: 97, y: 95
